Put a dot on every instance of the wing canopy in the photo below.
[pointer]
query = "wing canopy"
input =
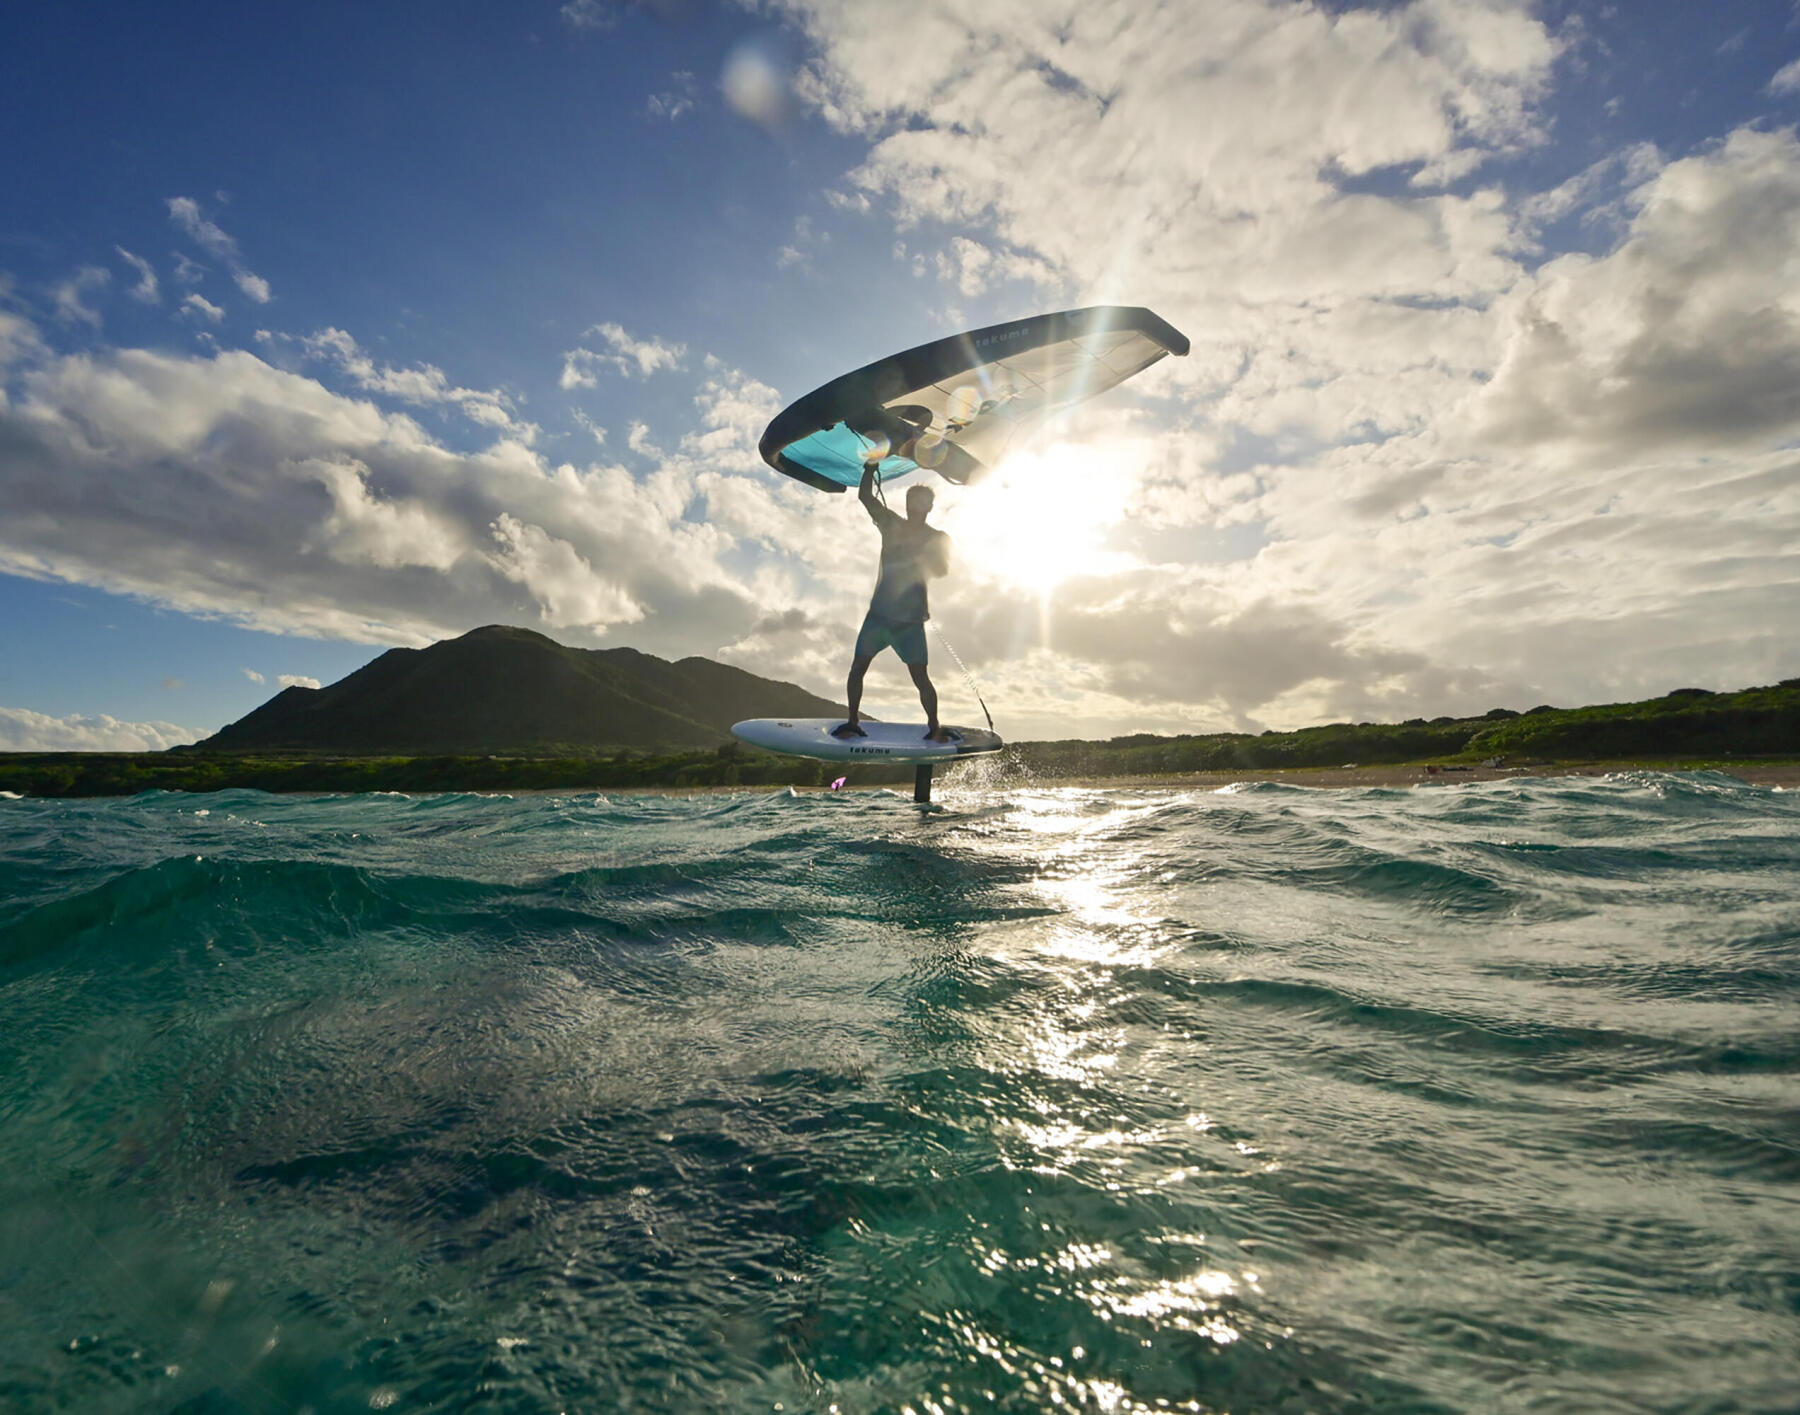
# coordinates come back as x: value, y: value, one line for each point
x: 957, y: 404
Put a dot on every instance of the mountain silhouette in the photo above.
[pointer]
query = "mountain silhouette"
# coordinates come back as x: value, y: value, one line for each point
x: 501, y: 690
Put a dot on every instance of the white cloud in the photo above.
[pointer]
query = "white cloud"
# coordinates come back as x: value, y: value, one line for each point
x: 578, y: 370
x: 589, y: 15
x: 19, y: 341
x: 630, y: 356
x: 224, y: 487
x: 1786, y: 80
x: 965, y: 265
x: 796, y: 254
x: 185, y: 213
x: 296, y: 680
x: 70, y: 296
x: 421, y: 386
x: 674, y: 101
x: 254, y: 676
x: 22, y: 730
x: 1687, y: 337
x: 564, y: 583
x: 147, y: 291
x: 589, y: 426
x: 1582, y: 192
x: 197, y: 306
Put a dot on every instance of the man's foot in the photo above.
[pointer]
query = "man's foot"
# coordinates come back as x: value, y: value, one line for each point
x: 847, y: 730
x: 934, y: 733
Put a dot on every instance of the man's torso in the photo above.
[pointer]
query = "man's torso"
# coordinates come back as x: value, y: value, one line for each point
x: 911, y: 554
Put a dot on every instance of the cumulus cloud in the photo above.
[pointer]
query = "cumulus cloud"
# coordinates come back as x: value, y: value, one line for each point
x: 973, y: 267
x: 629, y: 356
x: 296, y: 680
x: 1786, y: 80
x: 596, y: 16
x: 1032, y: 121
x: 1685, y: 337
x: 147, y: 291
x: 674, y: 101
x: 197, y: 306
x: 422, y: 386
x: 1584, y: 192
x: 589, y: 14
x: 226, y: 487
x: 22, y: 730
x: 70, y: 296
x: 185, y: 213
x: 19, y: 340
x: 209, y: 236
x: 254, y: 676
x: 589, y: 426
x: 1616, y: 509
x: 796, y: 253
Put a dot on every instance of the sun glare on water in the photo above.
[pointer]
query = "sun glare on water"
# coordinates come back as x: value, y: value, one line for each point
x: 1040, y: 518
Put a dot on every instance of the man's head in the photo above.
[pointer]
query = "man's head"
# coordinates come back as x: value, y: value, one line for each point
x: 919, y: 501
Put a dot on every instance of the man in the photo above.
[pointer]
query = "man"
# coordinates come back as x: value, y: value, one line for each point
x: 911, y: 553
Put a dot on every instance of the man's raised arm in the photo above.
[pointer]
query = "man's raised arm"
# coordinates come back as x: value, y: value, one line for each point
x: 865, y: 493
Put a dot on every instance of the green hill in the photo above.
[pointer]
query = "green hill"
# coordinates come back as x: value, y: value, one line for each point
x: 495, y: 685
x: 1689, y: 722
x: 507, y: 691
x: 1686, y: 722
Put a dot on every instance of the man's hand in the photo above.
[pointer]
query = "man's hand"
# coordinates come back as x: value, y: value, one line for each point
x: 865, y: 489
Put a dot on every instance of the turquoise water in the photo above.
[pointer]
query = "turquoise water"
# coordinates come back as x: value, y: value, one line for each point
x: 1263, y: 1099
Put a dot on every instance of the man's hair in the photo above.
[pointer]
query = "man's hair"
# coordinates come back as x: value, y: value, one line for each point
x: 920, y: 493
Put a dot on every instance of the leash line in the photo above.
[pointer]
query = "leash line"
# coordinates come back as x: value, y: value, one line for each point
x: 968, y: 677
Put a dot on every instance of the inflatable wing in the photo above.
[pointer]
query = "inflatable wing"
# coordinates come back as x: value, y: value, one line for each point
x: 955, y: 405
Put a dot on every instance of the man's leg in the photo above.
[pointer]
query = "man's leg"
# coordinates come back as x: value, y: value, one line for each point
x: 927, y: 700
x: 859, y: 666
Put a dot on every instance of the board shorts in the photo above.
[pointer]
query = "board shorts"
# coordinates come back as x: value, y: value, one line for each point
x: 907, y: 640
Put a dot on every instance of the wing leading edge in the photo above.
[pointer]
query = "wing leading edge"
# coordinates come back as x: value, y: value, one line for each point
x: 956, y: 405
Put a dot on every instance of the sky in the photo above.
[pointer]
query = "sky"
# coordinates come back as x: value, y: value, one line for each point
x: 335, y: 328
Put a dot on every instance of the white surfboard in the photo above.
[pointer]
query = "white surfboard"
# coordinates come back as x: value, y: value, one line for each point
x: 887, y: 741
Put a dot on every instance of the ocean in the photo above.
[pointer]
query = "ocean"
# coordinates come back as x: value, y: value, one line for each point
x: 1483, y: 1098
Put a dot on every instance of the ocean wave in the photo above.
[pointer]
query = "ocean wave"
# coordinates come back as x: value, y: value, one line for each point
x: 1264, y: 1098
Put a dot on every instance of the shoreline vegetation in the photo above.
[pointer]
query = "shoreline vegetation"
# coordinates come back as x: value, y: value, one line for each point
x: 1753, y: 734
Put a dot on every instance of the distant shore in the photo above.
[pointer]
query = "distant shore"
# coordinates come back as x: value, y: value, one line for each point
x: 1767, y: 773
x: 125, y: 774
x: 1776, y: 773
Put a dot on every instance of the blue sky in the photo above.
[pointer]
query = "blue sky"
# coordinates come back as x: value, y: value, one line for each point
x: 330, y: 329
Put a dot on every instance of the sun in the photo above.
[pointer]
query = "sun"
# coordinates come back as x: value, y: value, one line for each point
x: 1040, y: 518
